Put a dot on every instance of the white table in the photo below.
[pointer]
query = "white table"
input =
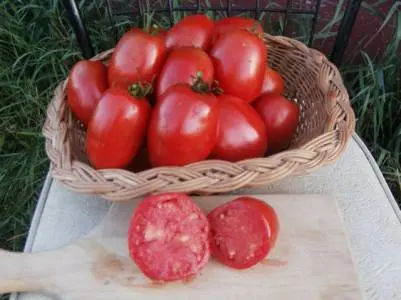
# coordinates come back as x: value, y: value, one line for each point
x: 370, y: 212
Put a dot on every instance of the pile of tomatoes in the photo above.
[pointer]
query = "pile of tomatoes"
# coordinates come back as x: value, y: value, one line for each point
x: 201, y: 90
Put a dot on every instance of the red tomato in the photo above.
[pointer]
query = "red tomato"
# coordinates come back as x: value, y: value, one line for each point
x: 241, y: 132
x: 138, y: 56
x: 228, y: 24
x: 281, y: 118
x: 168, y: 237
x: 182, y: 66
x: 269, y: 215
x: 182, y: 127
x: 273, y: 83
x: 239, y: 60
x: 239, y: 237
x: 86, y: 84
x: 117, y: 129
x: 192, y: 31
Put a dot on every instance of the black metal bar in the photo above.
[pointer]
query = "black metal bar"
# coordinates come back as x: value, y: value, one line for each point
x: 233, y: 9
x: 228, y: 8
x: 170, y: 10
x: 286, y: 12
x: 111, y: 20
x: 314, y: 22
x: 198, y: 5
x: 257, y: 12
x: 345, y: 30
x: 78, y: 26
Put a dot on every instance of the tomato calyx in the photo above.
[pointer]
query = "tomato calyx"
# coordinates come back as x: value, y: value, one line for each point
x: 199, y: 85
x: 216, y: 88
x: 139, y: 90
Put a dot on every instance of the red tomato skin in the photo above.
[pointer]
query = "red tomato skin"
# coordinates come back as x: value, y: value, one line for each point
x: 273, y: 83
x: 231, y: 23
x: 182, y: 127
x: 234, y: 226
x: 138, y: 56
x: 117, y: 129
x: 241, y: 132
x: 170, y: 215
x: 239, y: 58
x: 281, y: 118
x: 182, y: 65
x: 192, y: 31
x: 86, y: 84
x: 269, y: 214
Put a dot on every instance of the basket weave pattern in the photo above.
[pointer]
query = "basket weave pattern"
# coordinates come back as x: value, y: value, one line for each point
x: 326, y: 124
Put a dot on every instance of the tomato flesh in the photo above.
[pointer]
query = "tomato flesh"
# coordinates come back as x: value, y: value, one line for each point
x: 168, y: 237
x: 269, y: 214
x: 239, y: 237
x: 231, y: 23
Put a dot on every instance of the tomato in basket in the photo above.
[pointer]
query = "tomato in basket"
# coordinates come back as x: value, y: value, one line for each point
x: 117, y: 128
x: 239, y: 58
x: 86, y: 84
x: 231, y: 23
x: 281, y: 118
x: 191, y: 31
x: 273, y: 83
x: 168, y: 237
x: 183, y: 125
x: 242, y: 232
x: 182, y: 65
x: 138, y: 56
x: 241, y: 132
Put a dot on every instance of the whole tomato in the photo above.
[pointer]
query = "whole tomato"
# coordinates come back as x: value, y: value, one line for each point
x: 228, y: 24
x: 192, y: 31
x: 182, y: 65
x: 117, y: 129
x: 280, y: 117
x: 182, y: 127
x: 239, y: 58
x: 241, y: 133
x: 138, y: 56
x: 86, y: 84
x: 273, y: 83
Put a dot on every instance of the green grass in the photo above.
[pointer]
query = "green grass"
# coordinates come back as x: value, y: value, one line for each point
x: 37, y: 48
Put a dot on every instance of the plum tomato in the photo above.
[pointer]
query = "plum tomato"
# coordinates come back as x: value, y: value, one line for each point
x: 228, y: 24
x: 281, y: 118
x: 273, y: 83
x: 86, y: 84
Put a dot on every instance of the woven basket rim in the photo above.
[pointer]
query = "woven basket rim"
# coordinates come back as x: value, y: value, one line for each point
x: 121, y: 184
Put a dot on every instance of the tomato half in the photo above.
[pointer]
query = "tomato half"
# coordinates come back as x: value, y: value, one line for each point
x: 138, y: 56
x: 281, y: 118
x: 239, y: 237
x: 117, y: 129
x: 182, y: 65
x: 269, y: 214
x: 239, y: 58
x: 183, y: 126
x: 231, y: 23
x: 191, y: 31
x: 86, y: 83
x: 273, y: 83
x: 241, y: 132
x: 168, y: 237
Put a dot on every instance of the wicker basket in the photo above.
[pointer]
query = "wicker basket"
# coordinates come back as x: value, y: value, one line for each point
x: 326, y: 124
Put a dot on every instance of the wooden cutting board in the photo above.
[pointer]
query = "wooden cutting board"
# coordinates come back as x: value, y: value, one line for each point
x: 311, y: 260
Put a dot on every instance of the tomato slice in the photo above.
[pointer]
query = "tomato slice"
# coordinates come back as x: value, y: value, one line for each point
x: 270, y: 216
x: 168, y: 237
x: 239, y: 237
